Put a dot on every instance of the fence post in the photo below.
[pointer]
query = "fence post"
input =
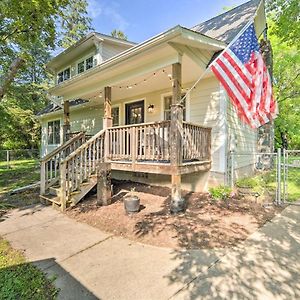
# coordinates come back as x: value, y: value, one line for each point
x: 232, y: 169
x: 284, y: 175
x: 278, y: 176
x: 7, y: 158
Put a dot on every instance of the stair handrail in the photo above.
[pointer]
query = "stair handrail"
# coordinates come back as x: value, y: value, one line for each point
x: 84, y: 169
x: 47, y: 159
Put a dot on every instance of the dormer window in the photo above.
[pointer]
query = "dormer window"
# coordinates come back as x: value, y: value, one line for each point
x: 85, y: 64
x: 63, y: 75
x: 89, y: 63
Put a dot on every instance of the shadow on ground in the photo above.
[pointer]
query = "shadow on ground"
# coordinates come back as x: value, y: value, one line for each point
x: 265, y: 267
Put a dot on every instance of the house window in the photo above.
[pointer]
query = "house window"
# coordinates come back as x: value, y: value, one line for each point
x: 85, y: 65
x: 167, y: 107
x: 89, y: 63
x: 54, y: 132
x: 80, y: 67
x: 63, y: 75
x: 115, y: 113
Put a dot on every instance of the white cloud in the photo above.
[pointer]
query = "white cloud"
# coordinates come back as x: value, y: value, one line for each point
x: 94, y: 8
x: 110, y: 10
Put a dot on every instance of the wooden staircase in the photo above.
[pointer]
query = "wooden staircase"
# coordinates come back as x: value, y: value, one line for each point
x: 70, y: 172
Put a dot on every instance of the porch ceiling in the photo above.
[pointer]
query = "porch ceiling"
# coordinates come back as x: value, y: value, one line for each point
x: 133, y: 68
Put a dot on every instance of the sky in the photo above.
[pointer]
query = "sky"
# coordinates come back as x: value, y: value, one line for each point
x: 140, y: 20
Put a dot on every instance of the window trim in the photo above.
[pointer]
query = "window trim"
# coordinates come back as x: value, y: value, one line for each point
x: 59, y: 133
x: 187, y: 105
x: 83, y: 59
x: 62, y: 70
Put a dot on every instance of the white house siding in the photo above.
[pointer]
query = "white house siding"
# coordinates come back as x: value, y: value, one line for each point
x: 88, y: 119
x: 205, y: 110
x: 110, y: 50
x: 242, y: 139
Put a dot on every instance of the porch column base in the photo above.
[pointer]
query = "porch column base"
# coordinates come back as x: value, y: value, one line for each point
x: 104, y: 184
x: 107, y: 122
x: 178, y: 204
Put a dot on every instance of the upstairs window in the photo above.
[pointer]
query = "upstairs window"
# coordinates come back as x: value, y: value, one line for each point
x: 54, y: 132
x: 80, y: 67
x: 85, y: 64
x: 63, y: 75
x: 167, y: 107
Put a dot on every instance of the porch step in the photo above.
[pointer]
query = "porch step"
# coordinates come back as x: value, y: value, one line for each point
x: 84, y: 189
x: 51, y: 198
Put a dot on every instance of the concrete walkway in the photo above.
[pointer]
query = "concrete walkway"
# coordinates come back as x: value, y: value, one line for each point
x: 90, y: 264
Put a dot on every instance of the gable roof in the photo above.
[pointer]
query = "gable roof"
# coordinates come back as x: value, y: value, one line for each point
x: 226, y: 26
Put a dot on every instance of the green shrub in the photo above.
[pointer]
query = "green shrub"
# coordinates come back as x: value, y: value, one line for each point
x: 248, y: 182
x: 220, y: 192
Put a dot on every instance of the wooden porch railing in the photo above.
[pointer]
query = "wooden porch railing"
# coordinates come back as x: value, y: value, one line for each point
x: 139, y: 142
x: 50, y: 164
x: 196, y: 142
x: 80, y: 165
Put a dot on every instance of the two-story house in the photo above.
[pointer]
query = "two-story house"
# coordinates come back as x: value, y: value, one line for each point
x: 117, y: 105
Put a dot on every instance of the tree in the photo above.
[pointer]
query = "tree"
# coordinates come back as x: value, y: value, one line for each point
x: 75, y: 22
x: 285, y: 14
x: 23, y: 24
x: 119, y: 34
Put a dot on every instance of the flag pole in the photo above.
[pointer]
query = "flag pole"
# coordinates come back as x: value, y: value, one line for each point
x: 235, y: 38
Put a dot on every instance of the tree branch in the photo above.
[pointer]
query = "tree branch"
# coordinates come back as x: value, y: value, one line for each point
x: 10, y: 75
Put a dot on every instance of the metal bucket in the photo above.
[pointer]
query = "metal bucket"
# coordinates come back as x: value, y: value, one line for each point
x: 131, y: 204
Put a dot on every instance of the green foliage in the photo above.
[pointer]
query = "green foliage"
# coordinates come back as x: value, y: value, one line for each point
x: 285, y: 14
x: 249, y: 182
x: 119, y: 34
x: 286, y: 72
x: 75, y: 23
x: 220, y: 192
x: 22, y: 280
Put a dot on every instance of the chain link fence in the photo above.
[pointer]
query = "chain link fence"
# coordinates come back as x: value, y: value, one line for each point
x: 256, y: 176
x: 10, y: 159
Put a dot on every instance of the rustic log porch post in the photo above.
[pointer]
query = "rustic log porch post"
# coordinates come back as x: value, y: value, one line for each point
x: 104, y: 168
x: 177, y: 202
x: 66, y: 125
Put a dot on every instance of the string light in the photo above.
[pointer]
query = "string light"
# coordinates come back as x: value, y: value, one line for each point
x: 154, y: 74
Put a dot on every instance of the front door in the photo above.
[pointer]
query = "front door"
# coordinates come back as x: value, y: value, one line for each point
x: 134, y: 112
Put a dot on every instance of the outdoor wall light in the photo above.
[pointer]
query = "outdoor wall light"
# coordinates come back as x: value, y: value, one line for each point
x: 150, y: 108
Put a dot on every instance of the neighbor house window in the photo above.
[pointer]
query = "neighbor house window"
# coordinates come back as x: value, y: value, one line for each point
x: 115, y: 113
x: 85, y: 64
x: 54, y: 132
x: 63, y: 75
x: 167, y: 107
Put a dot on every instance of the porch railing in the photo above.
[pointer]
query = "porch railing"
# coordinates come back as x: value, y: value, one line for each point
x: 150, y: 142
x: 50, y: 164
x: 140, y: 142
x: 78, y: 167
x: 196, y: 142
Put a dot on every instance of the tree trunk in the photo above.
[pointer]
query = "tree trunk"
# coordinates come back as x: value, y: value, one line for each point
x: 10, y: 75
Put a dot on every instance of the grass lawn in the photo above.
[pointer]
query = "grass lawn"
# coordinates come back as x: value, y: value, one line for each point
x: 21, y: 280
x: 20, y: 173
x: 267, y: 181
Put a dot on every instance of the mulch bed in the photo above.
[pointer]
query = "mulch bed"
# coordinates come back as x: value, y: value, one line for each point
x: 206, y: 223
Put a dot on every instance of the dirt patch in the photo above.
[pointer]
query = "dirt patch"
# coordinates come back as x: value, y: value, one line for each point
x: 205, y: 224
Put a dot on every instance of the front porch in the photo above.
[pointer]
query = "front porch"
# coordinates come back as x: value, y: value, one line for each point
x: 171, y: 145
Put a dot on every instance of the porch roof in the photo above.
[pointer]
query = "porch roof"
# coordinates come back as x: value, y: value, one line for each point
x: 150, y: 55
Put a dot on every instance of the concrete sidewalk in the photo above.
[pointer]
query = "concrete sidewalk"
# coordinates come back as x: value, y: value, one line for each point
x: 90, y: 264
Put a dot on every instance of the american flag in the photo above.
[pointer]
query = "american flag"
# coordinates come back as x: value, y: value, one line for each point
x: 244, y: 75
